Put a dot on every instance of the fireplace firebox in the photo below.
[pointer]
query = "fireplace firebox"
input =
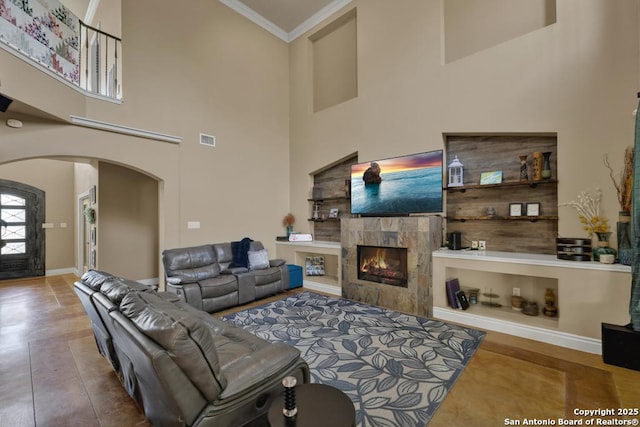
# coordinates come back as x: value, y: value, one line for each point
x: 386, y: 265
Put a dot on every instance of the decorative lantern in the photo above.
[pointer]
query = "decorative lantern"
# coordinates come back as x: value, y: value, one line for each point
x: 456, y: 173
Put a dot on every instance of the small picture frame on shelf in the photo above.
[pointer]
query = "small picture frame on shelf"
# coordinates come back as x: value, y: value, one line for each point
x: 533, y: 209
x: 515, y: 209
x: 494, y: 177
x: 333, y: 213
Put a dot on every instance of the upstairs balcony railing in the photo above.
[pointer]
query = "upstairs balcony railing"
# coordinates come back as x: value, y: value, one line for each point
x: 54, y: 38
x: 100, y: 62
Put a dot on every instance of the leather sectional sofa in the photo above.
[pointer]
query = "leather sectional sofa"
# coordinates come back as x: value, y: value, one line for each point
x: 210, y: 277
x: 183, y: 366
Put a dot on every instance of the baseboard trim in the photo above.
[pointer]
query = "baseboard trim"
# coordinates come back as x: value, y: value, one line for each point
x: 60, y: 271
x: 321, y: 287
x: 562, y: 339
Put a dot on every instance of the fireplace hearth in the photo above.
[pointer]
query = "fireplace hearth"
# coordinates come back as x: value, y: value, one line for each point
x: 386, y: 265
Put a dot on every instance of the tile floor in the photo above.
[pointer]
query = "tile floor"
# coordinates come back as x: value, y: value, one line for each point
x: 51, y: 373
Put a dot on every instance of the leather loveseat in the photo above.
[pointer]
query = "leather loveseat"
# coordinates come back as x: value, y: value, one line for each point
x: 207, y: 277
x: 183, y: 366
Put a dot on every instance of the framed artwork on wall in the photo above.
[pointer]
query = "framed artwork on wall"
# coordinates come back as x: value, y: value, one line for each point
x: 533, y: 209
x: 515, y: 209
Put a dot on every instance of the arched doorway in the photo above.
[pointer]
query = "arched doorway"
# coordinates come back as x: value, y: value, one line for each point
x: 22, y: 209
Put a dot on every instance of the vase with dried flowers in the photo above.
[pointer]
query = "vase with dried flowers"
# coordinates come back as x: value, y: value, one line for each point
x: 623, y: 184
x: 288, y: 222
x: 588, y: 207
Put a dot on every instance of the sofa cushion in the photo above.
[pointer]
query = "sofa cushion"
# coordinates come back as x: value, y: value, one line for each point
x: 185, y: 337
x: 224, y: 254
x: 191, y: 264
x: 115, y: 288
x: 258, y: 260
x: 218, y: 286
x: 94, y: 279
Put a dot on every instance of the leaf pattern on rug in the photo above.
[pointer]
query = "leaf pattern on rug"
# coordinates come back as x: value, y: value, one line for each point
x: 396, y: 368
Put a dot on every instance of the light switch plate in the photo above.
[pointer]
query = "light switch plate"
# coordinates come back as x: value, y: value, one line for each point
x: 193, y: 224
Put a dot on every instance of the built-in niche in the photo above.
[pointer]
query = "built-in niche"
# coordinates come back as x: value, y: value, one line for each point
x: 329, y: 201
x: 335, y: 71
x: 515, y: 214
x: 472, y: 26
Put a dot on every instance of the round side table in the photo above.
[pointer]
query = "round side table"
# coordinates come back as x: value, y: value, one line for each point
x: 319, y: 405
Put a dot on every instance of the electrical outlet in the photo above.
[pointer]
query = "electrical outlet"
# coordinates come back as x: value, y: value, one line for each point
x: 482, y: 245
x: 516, y: 292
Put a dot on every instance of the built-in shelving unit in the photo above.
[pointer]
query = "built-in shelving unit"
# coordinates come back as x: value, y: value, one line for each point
x: 331, y: 188
x: 587, y: 294
x: 467, y: 205
x: 297, y: 252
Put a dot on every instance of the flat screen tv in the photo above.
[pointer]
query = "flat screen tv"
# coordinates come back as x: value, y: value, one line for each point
x: 398, y: 186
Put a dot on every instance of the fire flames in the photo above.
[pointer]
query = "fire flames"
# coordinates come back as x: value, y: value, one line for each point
x: 382, y: 265
x: 377, y: 261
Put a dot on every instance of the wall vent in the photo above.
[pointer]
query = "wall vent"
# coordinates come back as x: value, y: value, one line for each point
x: 208, y: 140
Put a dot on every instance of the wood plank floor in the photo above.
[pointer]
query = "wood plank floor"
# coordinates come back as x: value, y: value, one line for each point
x: 51, y: 373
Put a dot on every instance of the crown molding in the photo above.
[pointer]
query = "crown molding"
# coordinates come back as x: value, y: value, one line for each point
x: 252, y: 16
x: 314, y: 20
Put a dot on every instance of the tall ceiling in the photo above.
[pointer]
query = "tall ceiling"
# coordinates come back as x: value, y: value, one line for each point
x: 286, y: 19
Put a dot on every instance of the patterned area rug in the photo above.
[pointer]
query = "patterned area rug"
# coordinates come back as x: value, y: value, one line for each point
x: 396, y: 368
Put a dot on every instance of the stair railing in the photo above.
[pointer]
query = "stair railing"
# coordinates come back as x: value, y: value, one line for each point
x: 100, y: 62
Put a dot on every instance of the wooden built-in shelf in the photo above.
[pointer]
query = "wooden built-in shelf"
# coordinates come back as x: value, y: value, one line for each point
x: 532, y: 184
x: 503, y: 218
x: 328, y: 198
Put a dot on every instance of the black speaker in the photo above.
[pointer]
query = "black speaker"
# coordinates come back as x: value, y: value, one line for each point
x: 621, y: 346
x: 4, y: 103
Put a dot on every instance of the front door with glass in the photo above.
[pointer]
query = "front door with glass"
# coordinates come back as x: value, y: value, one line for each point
x: 22, y: 216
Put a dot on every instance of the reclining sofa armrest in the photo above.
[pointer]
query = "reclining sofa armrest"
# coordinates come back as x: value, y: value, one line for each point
x: 189, y: 292
x: 276, y: 262
x: 246, y: 287
x: 285, y: 278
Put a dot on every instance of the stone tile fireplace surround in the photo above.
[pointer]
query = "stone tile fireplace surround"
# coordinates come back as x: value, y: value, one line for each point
x: 421, y: 235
